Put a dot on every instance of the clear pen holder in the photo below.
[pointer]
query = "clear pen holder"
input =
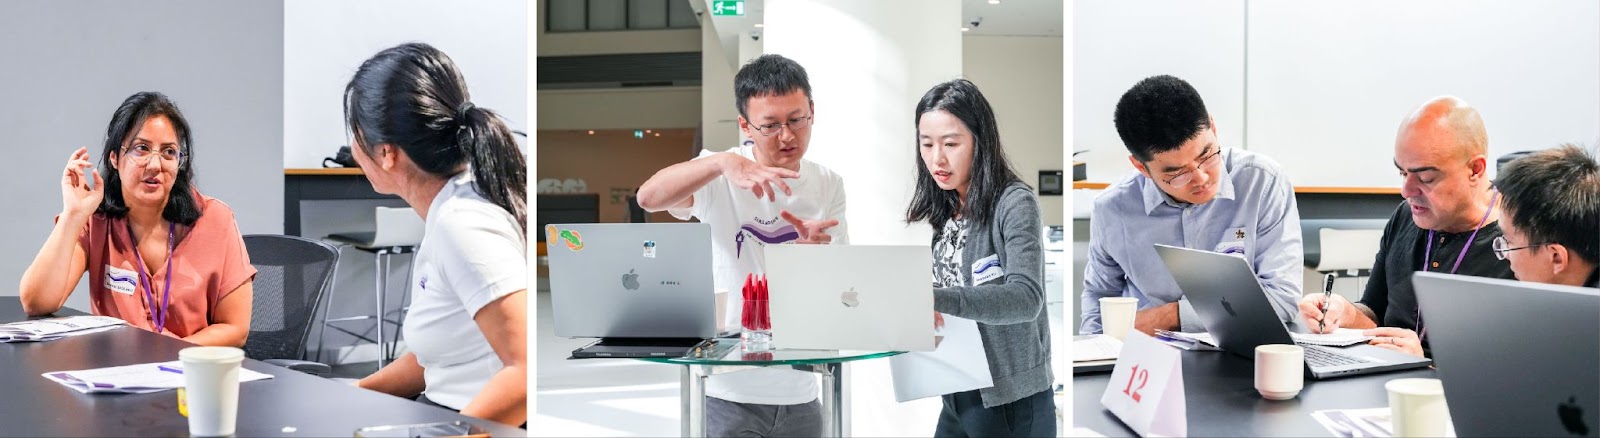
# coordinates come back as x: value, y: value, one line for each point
x: 757, y: 334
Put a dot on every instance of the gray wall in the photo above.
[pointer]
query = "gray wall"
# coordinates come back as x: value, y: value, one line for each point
x: 67, y: 65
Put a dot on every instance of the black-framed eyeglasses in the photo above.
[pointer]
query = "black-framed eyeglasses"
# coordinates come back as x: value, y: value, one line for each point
x: 1187, y: 176
x: 1502, y: 247
x: 794, y: 124
x: 142, y: 153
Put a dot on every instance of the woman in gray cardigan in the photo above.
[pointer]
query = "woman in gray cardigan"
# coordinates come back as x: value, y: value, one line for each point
x: 988, y: 262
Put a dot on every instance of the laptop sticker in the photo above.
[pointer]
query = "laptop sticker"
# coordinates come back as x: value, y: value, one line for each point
x: 650, y: 249
x: 571, y: 238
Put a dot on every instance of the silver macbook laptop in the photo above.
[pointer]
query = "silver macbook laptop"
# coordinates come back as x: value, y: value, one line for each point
x: 1516, y: 358
x: 851, y: 297
x: 1225, y: 293
x: 634, y: 285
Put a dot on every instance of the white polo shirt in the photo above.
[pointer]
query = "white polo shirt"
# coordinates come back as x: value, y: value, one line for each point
x: 742, y: 226
x: 472, y: 253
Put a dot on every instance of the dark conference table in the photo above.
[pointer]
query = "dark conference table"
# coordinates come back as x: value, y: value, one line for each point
x: 1221, y: 399
x: 31, y: 405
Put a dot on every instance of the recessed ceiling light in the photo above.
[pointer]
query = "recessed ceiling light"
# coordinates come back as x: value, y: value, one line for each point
x: 759, y: 25
x: 994, y: 2
x: 964, y: 28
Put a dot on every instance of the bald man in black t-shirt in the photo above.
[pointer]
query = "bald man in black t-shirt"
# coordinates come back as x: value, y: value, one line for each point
x: 1448, y: 223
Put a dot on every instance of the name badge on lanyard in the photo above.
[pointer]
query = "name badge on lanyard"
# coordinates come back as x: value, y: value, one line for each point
x: 158, y: 315
x: 122, y: 281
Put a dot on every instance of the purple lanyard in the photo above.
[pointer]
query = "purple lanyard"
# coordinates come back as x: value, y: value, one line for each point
x: 157, y: 315
x: 1427, y: 256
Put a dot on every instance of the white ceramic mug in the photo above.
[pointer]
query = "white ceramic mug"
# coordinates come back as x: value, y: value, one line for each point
x: 1280, y: 371
x: 1116, y: 315
x: 1417, y: 407
x: 211, y: 388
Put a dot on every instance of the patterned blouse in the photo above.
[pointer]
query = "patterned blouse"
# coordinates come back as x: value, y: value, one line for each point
x: 947, y: 254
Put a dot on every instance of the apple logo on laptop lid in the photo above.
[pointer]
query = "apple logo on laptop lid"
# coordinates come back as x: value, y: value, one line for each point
x: 850, y: 298
x: 1571, y: 414
x: 630, y: 280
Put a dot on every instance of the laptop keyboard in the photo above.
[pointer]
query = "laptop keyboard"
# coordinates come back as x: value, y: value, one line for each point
x: 1318, y: 357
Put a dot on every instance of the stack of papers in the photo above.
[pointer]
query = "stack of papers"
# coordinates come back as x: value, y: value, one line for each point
x: 1373, y: 422
x: 1203, y: 341
x: 40, y: 330
x: 1095, y: 348
x: 134, y: 379
x: 1339, y: 338
x: 957, y: 364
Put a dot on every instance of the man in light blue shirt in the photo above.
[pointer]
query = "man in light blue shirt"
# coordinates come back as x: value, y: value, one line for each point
x: 1191, y: 192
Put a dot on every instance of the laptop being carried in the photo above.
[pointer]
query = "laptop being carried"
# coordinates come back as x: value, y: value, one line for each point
x: 644, y: 289
x: 851, y: 297
x: 1233, y: 307
x: 1516, y: 358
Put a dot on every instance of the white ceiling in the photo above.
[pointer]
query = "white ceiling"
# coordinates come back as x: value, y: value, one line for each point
x: 1014, y: 17
x: 1008, y: 18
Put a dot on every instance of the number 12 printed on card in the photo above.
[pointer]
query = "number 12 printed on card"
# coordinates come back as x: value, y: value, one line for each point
x: 1146, y: 390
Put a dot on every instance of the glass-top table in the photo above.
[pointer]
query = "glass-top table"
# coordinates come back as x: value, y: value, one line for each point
x: 698, y: 365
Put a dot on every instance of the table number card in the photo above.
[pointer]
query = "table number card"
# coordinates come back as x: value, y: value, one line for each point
x: 1146, y: 389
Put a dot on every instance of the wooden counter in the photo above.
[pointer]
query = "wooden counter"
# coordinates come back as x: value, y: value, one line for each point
x: 1320, y: 190
x: 336, y: 171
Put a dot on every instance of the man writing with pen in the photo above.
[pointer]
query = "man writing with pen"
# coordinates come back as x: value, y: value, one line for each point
x: 1447, y: 223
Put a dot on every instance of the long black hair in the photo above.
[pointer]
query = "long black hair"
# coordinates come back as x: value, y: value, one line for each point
x: 181, y: 208
x: 991, y: 173
x: 412, y: 96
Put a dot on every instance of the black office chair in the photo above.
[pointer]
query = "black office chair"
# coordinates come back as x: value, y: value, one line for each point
x: 636, y: 214
x: 292, y: 273
x: 1507, y: 158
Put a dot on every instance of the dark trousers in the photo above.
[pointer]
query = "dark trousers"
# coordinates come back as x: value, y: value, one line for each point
x: 728, y: 419
x: 965, y: 416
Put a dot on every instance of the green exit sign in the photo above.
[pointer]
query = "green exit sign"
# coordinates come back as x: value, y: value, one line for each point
x: 727, y: 8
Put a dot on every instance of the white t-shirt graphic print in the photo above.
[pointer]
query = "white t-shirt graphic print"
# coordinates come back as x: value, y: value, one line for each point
x: 742, y: 225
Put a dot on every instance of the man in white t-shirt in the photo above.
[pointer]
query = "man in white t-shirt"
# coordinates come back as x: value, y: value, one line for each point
x: 754, y: 196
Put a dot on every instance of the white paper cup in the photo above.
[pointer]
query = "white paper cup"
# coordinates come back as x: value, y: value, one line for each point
x: 1280, y: 371
x: 1417, y: 407
x: 211, y: 387
x: 722, y: 311
x: 1116, y: 315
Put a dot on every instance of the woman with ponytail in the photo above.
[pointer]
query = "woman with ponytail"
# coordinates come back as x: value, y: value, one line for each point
x: 418, y: 135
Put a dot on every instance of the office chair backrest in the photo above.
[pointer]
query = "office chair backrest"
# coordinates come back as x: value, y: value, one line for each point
x: 397, y: 227
x: 1348, y: 249
x: 636, y: 214
x: 292, y: 273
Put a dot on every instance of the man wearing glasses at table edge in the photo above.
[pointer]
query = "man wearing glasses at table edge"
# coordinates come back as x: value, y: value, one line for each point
x: 1191, y: 192
x: 1447, y: 223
